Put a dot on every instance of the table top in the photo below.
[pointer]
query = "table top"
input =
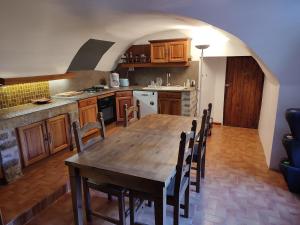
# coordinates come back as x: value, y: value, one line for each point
x: 147, y: 149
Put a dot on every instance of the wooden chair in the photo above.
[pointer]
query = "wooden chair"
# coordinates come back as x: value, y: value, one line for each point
x: 209, y: 120
x: 199, y: 151
x: 179, y: 186
x: 111, y: 190
x: 131, y: 110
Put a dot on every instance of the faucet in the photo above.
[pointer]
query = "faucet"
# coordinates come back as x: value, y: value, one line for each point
x: 168, y: 76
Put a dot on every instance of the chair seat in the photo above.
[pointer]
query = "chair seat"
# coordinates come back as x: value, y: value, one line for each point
x: 171, y: 187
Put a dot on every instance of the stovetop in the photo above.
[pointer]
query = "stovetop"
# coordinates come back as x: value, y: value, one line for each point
x: 93, y: 89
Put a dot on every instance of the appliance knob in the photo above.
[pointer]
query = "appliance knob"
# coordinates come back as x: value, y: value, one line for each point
x: 151, y: 103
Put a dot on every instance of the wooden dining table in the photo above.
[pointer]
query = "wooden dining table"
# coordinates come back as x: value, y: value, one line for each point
x: 141, y: 157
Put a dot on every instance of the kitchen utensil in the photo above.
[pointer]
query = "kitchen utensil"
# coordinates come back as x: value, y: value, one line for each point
x: 41, y: 100
x: 124, y: 82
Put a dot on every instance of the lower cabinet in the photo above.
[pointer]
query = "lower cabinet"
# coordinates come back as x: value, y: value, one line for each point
x: 88, y: 110
x: 39, y: 140
x: 122, y: 98
x: 58, y: 133
x: 169, y: 103
x: 34, y: 142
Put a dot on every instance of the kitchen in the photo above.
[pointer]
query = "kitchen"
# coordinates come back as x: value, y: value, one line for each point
x: 161, y: 68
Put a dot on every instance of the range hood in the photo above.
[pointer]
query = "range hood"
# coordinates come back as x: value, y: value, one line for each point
x: 89, y: 55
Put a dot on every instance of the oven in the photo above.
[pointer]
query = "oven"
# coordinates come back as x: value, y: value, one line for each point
x: 107, y: 106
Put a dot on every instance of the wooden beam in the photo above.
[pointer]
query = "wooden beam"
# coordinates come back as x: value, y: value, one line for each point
x: 20, y: 80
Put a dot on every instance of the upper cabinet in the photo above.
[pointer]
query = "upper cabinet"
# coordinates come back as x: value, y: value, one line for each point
x: 160, y: 53
x: 170, y: 51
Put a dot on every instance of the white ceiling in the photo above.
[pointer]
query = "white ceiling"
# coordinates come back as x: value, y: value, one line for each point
x: 42, y: 37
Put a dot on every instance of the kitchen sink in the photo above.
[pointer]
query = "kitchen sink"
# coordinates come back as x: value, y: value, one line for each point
x: 166, y: 88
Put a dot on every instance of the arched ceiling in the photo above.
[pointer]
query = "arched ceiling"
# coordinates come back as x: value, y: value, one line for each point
x: 41, y: 37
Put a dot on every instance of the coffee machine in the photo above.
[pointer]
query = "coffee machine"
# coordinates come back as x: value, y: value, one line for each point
x: 114, y: 80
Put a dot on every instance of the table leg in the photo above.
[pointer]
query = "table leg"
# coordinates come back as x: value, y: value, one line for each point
x: 160, y: 203
x: 75, y: 181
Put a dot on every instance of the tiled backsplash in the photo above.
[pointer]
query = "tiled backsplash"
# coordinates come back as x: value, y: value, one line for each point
x: 18, y: 94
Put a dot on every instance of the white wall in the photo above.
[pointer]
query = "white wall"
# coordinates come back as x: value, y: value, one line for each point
x: 214, y: 71
x: 268, y: 116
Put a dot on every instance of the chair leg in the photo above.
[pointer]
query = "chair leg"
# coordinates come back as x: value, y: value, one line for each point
x: 121, y: 201
x: 87, y: 200
x: 132, y: 209
x: 203, y: 165
x: 187, y: 201
x: 149, y: 204
x: 109, y: 197
x: 198, y: 176
x: 176, y: 213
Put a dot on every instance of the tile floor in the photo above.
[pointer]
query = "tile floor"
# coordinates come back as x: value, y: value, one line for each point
x: 238, y: 189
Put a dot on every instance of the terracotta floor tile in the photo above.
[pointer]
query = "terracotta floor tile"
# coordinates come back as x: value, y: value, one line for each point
x: 238, y: 189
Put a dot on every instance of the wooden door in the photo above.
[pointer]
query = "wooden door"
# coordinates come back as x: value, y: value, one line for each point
x: 33, y: 142
x: 120, y: 102
x: 178, y: 51
x: 159, y: 52
x: 58, y: 133
x: 243, y: 92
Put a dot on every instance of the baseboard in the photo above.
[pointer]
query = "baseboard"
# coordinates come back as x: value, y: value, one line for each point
x: 217, y: 123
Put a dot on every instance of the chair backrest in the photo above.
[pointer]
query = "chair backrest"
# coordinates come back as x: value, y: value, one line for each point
x: 131, y: 110
x: 80, y: 132
x: 209, y: 109
x: 201, y: 135
x: 184, y: 161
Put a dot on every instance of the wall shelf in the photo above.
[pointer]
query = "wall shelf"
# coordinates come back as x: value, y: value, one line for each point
x: 153, y: 65
x: 20, y: 80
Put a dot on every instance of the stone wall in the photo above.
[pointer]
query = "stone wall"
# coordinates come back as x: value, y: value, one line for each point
x: 188, y: 103
x: 9, y: 155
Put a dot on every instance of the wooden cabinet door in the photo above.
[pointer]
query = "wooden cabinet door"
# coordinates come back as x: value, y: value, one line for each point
x: 178, y: 51
x: 175, y: 108
x: 159, y: 52
x: 164, y: 106
x: 58, y: 133
x: 33, y: 141
x: 88, y: 114
x: 120, y: 102
x: 169, y: 106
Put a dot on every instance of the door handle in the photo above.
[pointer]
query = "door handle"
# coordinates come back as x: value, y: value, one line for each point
x: 227, y: 85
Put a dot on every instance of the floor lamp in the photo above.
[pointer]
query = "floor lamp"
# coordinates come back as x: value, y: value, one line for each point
x: 200, y: 76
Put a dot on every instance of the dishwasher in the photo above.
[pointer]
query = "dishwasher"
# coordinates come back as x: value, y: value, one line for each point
x: 148, y: 101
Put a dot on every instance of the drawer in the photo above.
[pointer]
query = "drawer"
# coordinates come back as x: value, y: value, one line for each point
x: 123, y: 93
x: 86, y: 102
x: 167, y: 94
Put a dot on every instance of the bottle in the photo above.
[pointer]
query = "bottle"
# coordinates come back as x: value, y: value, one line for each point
x: 188, y: 83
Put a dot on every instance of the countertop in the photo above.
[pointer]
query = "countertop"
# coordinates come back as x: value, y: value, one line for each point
x: 29, y: 108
